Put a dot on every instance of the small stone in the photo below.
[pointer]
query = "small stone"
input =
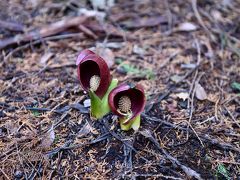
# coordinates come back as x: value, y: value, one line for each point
x: 87, y: 103
x: 18, y: 174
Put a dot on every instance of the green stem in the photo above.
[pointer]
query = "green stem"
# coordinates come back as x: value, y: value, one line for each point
x: 100, y: 107
x: 134, y: 124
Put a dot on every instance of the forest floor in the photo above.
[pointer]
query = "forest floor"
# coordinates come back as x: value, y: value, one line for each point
x: 186, y: 54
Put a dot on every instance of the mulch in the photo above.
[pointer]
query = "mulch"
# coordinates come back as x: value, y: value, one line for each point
x: 186, y: 54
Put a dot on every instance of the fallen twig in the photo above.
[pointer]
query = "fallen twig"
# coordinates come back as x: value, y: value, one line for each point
x: 5, y: 175
x: 190, y: 172
x: 155, y: 176
x: 7, y: 153
x: 145, y: 22
x: 205, y: 138
x: 11, y: 26
x: 45, y: 31
x: 199, y: 18
x: 120, y: 138
x: 57, y: 37
x: 232, y: 117
x: 157, y: 99
x: 76, y: 106
x: 67, y: 146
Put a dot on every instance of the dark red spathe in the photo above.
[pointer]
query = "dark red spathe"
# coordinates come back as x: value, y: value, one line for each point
x: 136, y: 95
x: 90, y: 64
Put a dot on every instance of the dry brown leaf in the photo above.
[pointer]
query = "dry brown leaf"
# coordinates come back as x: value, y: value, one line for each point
x: 212, y: 97
x: 145, y: 22
x: 107, y: 54
x: 176, y: 78
x: 44, y: 59
x: 85, y: 130
x: 182, y: 95
x: 48, y: 138
x: 138, y: 50
x: 200, y: 92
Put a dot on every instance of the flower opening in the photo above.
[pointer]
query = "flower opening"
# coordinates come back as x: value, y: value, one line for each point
x: 126, y: 101
x: 93, y: 73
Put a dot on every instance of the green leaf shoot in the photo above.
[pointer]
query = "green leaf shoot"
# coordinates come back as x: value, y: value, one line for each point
x: 100, y: 107
x: 134, y: 124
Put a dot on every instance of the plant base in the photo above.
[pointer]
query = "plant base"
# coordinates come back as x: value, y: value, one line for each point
x: 134, y: 124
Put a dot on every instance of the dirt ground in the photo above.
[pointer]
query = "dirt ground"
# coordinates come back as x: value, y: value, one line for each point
x: 185, y: 53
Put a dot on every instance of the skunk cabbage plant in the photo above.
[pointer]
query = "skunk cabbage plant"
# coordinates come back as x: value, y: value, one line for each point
x: 128, y: 101
x: 95, y: 78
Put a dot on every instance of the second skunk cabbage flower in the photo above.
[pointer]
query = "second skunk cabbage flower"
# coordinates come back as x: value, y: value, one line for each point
x: 95, y: 78
x: 128, y: 101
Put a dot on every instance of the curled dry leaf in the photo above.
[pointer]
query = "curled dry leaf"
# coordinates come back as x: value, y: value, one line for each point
x: 107, y: 54
x: 176, y: 78
x: 217, y: 16
x: 112, y: 45
x: 48, y: 138
x: 213, y: 97
x: 92, y: 13
x: 200, y: 92
x: 86, y: 129
x: 142, y: 22
x: 182, y: 95
x: 138, y: 50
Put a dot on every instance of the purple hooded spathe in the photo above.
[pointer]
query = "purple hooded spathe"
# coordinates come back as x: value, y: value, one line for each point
x: 90, y: 64
x: 136, y: 95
